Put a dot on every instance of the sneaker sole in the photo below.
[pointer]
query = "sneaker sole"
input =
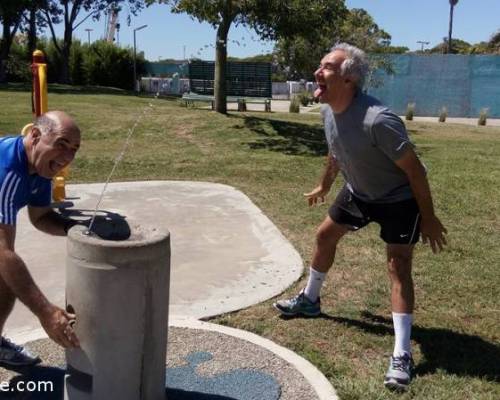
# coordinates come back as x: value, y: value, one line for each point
x: 292, y: 314
x: 395, y: 386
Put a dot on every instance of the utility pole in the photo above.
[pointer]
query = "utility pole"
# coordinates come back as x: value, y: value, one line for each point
x: 453, y: 3
x: 88, y: 33
x: 423, y: 44
x: 135, y: 57
x: 184, y: 52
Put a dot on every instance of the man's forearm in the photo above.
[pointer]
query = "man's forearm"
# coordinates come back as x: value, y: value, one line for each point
x: 330, y: 173
x: 422, y: 192
x: 54, y: 223
x: 17, y: 277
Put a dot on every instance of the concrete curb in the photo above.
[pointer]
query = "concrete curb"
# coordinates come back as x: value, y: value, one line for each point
x: 316, y: 379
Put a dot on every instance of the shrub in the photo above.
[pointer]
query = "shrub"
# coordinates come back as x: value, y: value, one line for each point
x: 294, y: 105
x: 443, y: 113
x: 483, y: 116
x: 305, y: 98
x: 410, y: 111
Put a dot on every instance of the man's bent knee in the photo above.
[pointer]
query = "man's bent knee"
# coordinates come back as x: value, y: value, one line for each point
x: 329, y: 233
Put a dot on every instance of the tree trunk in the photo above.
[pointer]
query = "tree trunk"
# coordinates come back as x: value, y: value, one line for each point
x: 32, y: 33
x: 64, y: 76
x: 220, y: 67
x: 5, y: 43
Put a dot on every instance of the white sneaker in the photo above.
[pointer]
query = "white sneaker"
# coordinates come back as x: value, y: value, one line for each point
x: 398, y: 375
x: 14, y: 355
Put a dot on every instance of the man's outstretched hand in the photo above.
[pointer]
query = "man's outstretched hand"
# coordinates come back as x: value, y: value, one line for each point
x: 318, y: 194
x: 433, y: 233
x: 59, y: 326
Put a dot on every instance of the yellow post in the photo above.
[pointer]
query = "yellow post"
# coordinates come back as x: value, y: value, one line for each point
x: 40, y: 106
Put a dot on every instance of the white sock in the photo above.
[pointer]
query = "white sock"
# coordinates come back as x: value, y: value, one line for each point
x: 402, y: 332
x: 314, y: 284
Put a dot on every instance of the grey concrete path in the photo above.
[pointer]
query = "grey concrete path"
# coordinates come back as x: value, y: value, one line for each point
x: 283, y: 106
x: 226, y: 254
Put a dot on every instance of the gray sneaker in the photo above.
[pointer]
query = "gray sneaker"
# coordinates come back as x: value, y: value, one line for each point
x: 299, y: 305
x: 398, y: 375
x: 14, y: 355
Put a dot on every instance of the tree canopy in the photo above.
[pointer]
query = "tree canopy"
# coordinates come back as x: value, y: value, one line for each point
x: 70, y: 13
x: 300, y: 56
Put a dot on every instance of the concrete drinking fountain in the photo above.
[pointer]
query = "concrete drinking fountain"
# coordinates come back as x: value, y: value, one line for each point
x: 119, y: 290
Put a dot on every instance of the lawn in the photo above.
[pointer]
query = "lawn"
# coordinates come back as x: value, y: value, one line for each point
x: 275, y: 158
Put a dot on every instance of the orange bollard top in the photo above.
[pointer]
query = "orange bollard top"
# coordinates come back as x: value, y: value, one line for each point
x: 38, y: 57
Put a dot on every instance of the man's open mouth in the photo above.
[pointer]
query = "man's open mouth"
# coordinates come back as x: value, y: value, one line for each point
x: 320, y: 90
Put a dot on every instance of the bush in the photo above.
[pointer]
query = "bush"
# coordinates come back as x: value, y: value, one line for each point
x: 483, y: 116
x: 17, y: 64
x: 410, y: 111
x: 106, y: 64
x: 101, y: 64
x: 305, y: 98
x: 443, y: 113
x: 294, y: 105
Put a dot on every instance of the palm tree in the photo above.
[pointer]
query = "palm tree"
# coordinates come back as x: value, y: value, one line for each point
x: 453, y: 3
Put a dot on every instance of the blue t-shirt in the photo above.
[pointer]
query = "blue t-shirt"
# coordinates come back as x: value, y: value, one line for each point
x: 17, y: 187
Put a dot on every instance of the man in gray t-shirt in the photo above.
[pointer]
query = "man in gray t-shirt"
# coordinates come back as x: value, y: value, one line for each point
x: 385, y: 182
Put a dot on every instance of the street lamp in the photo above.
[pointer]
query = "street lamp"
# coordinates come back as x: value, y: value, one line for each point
x: 135, y: 56
x: 88, y: 33
x: 423, y: 44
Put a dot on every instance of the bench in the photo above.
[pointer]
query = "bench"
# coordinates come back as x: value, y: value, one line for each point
x: 190, y: 98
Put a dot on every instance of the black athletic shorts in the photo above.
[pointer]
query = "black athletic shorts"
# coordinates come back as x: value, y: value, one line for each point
x: 399, y: 222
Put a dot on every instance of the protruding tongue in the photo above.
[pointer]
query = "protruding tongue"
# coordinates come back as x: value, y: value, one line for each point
x: 319, y: 91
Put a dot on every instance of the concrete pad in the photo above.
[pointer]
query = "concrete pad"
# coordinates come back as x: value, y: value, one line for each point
x: 226, y: 254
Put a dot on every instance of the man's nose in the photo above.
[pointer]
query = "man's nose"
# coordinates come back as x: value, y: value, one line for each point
x: 318, y: 72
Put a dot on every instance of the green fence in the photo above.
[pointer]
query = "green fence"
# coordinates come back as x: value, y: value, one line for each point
x: 244, y: 79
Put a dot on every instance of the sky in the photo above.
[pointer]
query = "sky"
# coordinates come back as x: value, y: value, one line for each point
x: 407, y: 21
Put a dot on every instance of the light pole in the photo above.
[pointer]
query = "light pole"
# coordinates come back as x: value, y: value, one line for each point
x: 423, y: 44
x: 88, y: 33
x: 135, y: 56
x: 453, y: 3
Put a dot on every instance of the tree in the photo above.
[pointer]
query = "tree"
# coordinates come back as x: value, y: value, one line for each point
x: 271, y: 19
x: 459, y: 47
x: 299, y: 56
x: 453, y: 3
x: 68, y: 11
x: 11, y: 13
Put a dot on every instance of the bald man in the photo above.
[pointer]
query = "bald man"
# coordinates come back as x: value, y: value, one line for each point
x: 27, y: 166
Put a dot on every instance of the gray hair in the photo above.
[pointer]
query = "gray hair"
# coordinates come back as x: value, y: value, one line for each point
x: 355, y: 64
x: 47, y: 125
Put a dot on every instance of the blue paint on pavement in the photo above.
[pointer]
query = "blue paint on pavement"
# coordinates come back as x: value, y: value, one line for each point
x: 238, y: 384
x: 183, y: 383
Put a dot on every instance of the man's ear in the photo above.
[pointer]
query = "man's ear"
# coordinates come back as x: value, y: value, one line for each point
x: 35, y: 135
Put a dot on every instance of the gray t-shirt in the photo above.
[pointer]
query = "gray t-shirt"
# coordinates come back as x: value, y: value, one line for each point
x: 365, y: 140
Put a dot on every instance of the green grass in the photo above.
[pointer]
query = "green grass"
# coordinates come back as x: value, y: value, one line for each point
x: 275, y: 158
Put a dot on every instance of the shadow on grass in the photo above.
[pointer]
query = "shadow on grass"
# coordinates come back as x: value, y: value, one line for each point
x: 287, y: 137
x: 455, y: 353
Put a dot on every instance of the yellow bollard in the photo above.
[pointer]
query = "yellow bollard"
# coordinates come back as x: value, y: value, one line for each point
x: 58, y: 189
x: 40, y: 106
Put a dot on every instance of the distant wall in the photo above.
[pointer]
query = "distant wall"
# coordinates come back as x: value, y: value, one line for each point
x: 464, y: 84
